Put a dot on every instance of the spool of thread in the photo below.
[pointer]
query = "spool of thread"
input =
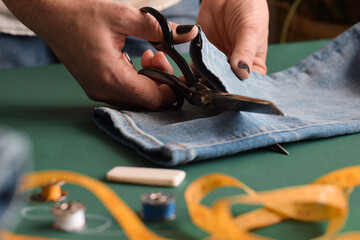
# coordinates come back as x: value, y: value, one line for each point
x: 69, y: 216
x: 158, y: 206
x: 51, y: 192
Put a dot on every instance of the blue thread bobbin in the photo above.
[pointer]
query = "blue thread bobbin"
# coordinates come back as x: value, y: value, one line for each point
x: 158, y: 206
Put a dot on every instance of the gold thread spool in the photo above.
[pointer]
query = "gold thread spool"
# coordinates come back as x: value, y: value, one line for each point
x: 51, y: 192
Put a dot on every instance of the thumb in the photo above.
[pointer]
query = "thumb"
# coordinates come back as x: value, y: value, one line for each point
x: 248, y: 54
x: 144, y: 25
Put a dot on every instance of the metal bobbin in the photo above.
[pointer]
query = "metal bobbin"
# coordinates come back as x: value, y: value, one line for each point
x: 50, y: 192
x: 158, y: 206
x: 70, y: 216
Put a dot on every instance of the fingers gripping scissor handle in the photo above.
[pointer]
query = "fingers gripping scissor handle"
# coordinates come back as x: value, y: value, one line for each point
x: 167, y: 46
x: 179, y: 88
x: 202, y: 95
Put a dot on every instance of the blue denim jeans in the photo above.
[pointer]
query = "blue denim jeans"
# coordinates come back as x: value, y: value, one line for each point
x: 320, y: 97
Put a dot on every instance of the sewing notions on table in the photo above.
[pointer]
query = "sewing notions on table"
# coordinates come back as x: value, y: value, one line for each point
x: 69, y: 216
x: 50, y: 192
x: 158, y: 206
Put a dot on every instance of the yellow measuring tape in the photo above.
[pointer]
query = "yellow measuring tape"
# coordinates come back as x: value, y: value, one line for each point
x: 324, y: 199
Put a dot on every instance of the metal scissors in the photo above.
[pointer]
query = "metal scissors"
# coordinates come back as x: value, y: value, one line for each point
x: 198, y: 92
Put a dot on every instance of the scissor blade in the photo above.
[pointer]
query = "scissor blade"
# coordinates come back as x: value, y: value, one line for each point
x: 233, y: 102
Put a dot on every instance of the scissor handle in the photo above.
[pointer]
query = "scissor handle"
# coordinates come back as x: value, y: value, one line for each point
x: 167, y: 43
x: 167, y: 46
x: 180, y: 90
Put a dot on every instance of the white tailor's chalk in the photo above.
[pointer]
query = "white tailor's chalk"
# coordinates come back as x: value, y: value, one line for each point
x: 146, y: 176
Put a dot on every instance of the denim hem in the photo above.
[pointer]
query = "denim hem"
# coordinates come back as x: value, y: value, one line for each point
x: 122, y: 128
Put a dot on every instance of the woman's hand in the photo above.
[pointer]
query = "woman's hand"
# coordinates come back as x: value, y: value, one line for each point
x: 88, y: 36
x: 239, y: 28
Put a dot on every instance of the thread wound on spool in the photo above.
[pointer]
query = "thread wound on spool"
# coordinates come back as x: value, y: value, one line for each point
x: 50, y: 192
x: 158, y: 206
x: 69, y: 216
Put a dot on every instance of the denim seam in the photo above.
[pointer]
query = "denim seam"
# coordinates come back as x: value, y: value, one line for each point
x: 182, y: 147
x: 259, y: 131
x: 139, y: 132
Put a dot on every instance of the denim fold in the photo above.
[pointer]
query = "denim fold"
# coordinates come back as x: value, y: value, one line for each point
x: 320, y: 97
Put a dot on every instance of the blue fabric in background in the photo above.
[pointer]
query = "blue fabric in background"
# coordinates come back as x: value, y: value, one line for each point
x: 24, y: 51
x: 320, y: 97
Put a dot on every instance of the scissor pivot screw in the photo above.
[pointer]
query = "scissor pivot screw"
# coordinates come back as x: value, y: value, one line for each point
x: 205, y: 99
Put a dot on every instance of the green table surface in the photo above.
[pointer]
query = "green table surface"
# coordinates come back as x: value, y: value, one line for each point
x: 48, y: 106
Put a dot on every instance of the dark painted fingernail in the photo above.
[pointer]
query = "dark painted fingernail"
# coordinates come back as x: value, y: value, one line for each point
x: 128, y: 57
x: 181, y: 29
x: 244, y: 66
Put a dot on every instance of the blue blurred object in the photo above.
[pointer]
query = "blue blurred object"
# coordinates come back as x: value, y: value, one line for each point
x: 15, y: 155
